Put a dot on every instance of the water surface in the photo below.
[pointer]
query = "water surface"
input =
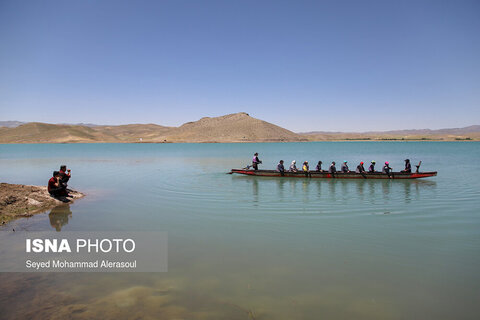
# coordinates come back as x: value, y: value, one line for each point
x: 261, y: 248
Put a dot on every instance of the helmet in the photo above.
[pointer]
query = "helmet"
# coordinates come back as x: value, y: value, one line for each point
x: 373, y: 161
x: 345, y: 161
x: 361, y: 162
x: 386, y: 162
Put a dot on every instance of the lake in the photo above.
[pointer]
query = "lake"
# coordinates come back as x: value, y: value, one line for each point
x: 260, y: 248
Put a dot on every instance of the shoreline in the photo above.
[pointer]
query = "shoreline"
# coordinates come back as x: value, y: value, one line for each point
x: 225, y: 142
x: 23, y: 201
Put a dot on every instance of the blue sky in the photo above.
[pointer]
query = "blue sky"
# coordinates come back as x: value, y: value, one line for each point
x: 304, y: 65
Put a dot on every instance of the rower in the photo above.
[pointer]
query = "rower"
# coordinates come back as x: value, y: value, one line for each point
x: 293, y: 166
x: 408, y: 166
x: 387, y: 169
x: 281, y: 168
x: 371, y: 169
x: 345, y: 167
x: 305, y: 168
x: 332, y: 168
x: 319, y: 166
x: 360, y: 168
x: 255, y: 161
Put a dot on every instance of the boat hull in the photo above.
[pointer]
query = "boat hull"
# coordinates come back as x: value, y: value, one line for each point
x: 337, y: 175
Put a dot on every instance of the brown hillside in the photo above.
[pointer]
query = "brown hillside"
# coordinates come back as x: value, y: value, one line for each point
x: 237, y: 127
x: 36, y: 132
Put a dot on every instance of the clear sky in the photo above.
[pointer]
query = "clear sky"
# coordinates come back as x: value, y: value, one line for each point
x: 304, y: 65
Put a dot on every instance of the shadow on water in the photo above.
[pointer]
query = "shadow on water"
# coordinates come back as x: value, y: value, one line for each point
x: 59, y: 216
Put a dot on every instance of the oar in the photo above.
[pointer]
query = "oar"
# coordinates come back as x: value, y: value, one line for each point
x: 418, y: 167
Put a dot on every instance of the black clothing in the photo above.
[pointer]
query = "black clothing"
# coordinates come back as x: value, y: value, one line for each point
x: 360, y: 168
x: 319, y: 167
x: 371, y: 168
x: 344, y: 167
x: 255, y: 162
x: 332, y: 169
x: 386, y: 169
x: 408, y: 167
x: 280, y: 168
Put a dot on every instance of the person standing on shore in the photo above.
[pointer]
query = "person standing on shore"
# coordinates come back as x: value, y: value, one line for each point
x: 255, y: 161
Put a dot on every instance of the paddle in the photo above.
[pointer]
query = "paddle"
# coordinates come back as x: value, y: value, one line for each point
x: 418, y: 166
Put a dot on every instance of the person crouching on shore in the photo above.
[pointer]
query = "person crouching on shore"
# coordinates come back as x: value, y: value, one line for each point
x: 55, y: 187
x: 65, y: 174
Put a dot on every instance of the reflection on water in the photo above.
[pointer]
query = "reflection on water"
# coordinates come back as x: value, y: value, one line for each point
x: 361, y: 191
x: 59, y: 216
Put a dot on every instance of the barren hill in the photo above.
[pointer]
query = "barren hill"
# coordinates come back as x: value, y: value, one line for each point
x: 238, y: 127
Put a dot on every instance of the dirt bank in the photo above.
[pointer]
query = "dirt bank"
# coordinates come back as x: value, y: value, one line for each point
x: 17, y: 201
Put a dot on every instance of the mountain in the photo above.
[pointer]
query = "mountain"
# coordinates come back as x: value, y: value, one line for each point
x: 10, y: 124
x: 466, y: 133
x: 238, y: 127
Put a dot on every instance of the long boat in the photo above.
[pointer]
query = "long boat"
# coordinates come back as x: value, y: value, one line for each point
x: 336, y: 175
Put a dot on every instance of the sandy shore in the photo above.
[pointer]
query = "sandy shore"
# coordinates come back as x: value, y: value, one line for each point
x: 17, y: 200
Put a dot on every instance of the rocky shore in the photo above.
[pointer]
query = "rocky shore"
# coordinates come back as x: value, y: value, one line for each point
x: 17, y: 200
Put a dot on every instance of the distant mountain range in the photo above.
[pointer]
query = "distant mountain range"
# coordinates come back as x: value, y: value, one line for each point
x: 454, y: 131
x: 237, y: 127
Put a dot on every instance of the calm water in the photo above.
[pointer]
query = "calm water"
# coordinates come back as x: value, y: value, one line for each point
x: 260, y: 248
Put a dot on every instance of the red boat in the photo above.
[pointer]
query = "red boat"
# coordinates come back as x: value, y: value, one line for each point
x: 336, y: 175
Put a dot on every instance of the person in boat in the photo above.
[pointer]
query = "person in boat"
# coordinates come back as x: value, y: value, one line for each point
x: 281, y: 168
x: 255, y: 161
x: 55, y: 187
x: 345, y: 167
x: 65, y: 175
x: 360, y: 168
x: 293, y: 166
x: 371, y: 169
x: 306, y: 168
x: 408, y: 166
x: 332, y: 168
x: 386, y: 168
x: 319, y: 166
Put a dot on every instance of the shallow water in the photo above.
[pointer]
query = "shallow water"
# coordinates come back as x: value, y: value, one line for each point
x: 261, y: 248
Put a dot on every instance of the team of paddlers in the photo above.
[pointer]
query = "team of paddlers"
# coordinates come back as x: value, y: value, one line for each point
x: 332, y: 169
